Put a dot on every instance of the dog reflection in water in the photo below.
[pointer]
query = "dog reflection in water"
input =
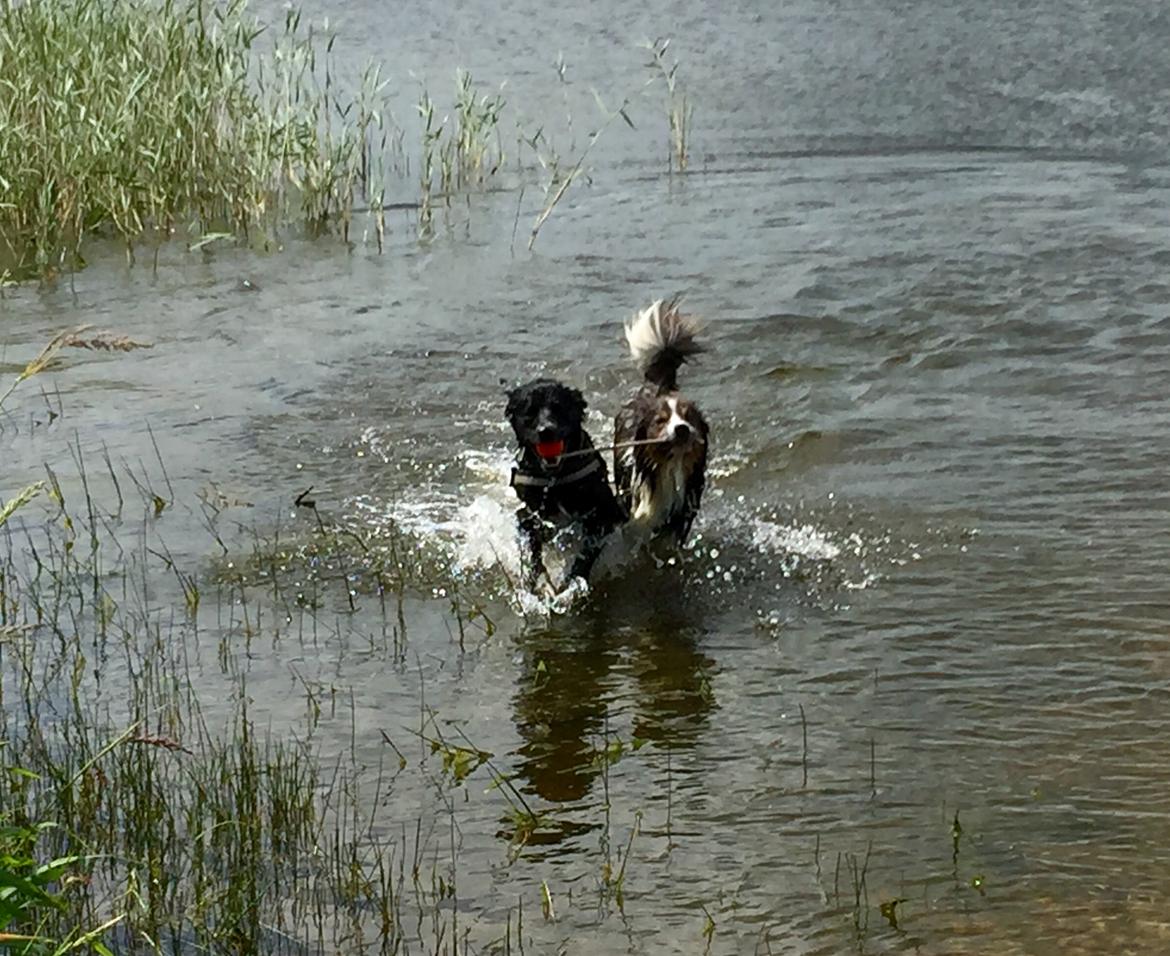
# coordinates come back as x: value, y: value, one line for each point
x: 633, y: 656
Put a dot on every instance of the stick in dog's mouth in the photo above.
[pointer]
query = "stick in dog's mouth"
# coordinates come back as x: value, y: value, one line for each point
x: 618, y: 447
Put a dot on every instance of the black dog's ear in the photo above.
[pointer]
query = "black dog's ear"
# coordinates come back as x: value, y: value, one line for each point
x: 578, y: 400
x: 515, y: 398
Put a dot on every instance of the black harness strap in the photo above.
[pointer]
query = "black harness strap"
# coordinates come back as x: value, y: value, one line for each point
x: 523, y: 478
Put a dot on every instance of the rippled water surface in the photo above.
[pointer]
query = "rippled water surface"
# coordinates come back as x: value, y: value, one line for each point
x: 928, y: 585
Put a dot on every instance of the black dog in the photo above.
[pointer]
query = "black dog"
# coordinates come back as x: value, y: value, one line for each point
x: 660, y: 481
x: 558, y: 476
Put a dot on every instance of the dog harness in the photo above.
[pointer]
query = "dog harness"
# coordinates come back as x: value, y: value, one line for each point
x: 523, y: 478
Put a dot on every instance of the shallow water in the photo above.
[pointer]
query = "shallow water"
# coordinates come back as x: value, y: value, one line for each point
x: 931, y: 243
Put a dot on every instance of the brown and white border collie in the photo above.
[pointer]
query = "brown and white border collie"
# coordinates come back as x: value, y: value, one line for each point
x: 661, y: 483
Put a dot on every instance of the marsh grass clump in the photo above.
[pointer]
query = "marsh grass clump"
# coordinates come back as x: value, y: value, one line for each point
x: 139, y: 820
x: 460, y: 154
x: 135, y: 119
x: 478, y: 148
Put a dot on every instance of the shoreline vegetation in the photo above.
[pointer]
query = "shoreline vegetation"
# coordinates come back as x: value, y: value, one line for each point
x: 151, y: 120
x: 147, y: 803
x: 141, y: 120
x: 155, y: 799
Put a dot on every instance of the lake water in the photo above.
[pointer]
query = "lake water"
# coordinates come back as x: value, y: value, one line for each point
x: 930, y: 242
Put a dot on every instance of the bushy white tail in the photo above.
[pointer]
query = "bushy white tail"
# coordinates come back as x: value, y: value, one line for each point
x: 661, y: 338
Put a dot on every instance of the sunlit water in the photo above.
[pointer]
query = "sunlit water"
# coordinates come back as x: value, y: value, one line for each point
x: 930, y: 242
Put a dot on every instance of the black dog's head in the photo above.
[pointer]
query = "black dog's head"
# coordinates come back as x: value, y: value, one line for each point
x: 547, y: 418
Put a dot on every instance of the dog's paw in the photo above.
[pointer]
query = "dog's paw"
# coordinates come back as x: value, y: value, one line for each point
x: 574, y: 589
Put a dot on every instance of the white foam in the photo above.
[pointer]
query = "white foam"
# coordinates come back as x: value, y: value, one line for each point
x: 476, y: 530
x: 806, y: 540
x: 484, y: 533
x: 465, y: 519
x: 726, y: 464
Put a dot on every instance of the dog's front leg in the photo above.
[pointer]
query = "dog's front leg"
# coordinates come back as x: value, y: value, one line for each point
x: 531, y: 547
x: 583, y: 564
x: 595, y: 534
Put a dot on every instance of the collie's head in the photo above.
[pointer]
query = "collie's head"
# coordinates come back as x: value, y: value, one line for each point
x: 547, y: 418
x: 676, y: 427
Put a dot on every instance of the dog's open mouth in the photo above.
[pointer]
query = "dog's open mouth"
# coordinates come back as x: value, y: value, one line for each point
x: 550, y: 450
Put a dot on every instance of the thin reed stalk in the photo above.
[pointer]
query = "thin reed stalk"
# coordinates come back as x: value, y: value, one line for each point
x: 679, y: 110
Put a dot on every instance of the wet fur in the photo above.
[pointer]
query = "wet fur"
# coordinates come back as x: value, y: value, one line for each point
x: 661, y: 485
x: 541, y: 411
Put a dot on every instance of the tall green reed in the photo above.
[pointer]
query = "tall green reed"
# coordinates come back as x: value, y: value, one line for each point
x: 137, y: 120
x: 459, y: 154
x: 679, y: 109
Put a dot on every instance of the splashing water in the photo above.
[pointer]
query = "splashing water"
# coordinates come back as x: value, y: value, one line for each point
x: 803, y: 541
x: 465, y: 523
